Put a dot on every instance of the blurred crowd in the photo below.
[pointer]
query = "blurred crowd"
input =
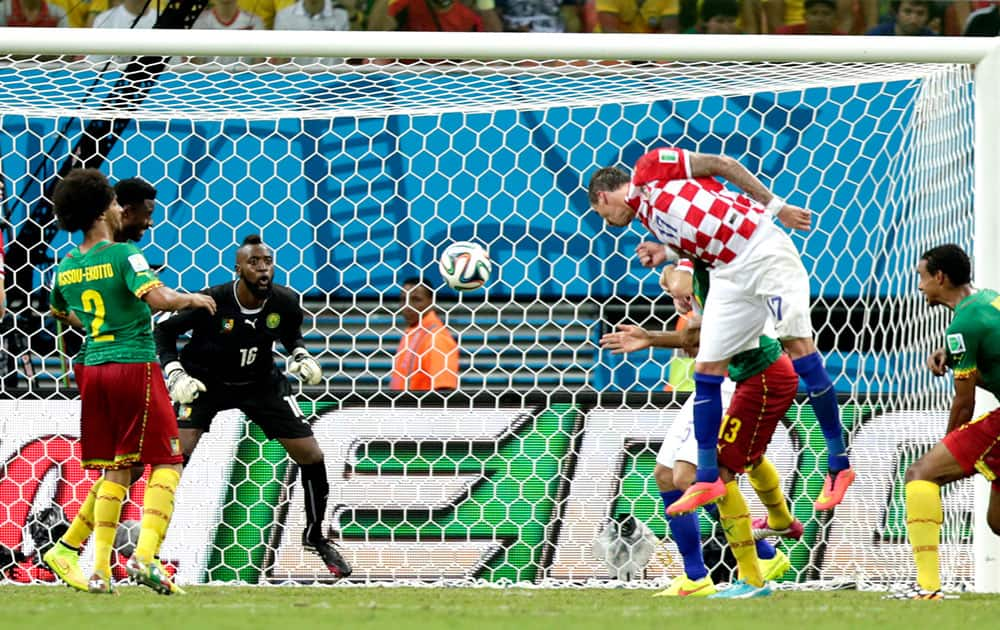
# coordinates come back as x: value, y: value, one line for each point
x: 792, y: 17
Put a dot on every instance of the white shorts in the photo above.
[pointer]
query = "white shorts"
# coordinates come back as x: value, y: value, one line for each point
x: 767, y: 281
x: 680, y: 443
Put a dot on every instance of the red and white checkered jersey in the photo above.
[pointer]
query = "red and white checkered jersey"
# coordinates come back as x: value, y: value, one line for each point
x: 696, y: 216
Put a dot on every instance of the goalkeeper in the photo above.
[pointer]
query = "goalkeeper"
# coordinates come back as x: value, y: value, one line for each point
x: 228, y: 363
x: 766, y: 386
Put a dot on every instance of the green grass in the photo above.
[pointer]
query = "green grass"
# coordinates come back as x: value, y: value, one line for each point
x: 405, y: 608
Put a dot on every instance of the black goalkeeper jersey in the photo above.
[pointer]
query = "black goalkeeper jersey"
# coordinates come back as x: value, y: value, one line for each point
x: 235, y: 346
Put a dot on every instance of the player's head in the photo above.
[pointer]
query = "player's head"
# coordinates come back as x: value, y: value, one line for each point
x: 255, y: 265
x: 607, y: 190
x: 415, y: 300
x: 83, y: 198
x: 137, y: 197
x: 942, y: 270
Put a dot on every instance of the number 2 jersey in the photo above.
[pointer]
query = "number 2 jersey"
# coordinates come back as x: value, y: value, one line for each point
x: 973, y: 339
x: 234, y: 346
x: 695, y: 216
x: 104, y: 287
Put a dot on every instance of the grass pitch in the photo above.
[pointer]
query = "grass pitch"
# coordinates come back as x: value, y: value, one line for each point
x: 299, y: 608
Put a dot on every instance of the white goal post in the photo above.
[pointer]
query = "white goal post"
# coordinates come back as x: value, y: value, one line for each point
x: 44, y: 62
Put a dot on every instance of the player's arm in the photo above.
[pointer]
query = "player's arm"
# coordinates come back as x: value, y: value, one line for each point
x: 654, y: 254
x: 144, y: 284
x: 183, y: 387
x: 301, y: 363
x: 937, y: 362
x: 964, y: 403
x: 707, y: 165
x: 962, y: 347
x: 163, y: 298
x: 59, y: 309
x: 630, y: 338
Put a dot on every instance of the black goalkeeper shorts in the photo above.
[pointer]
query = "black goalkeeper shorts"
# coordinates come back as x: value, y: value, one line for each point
x: 268, y: 405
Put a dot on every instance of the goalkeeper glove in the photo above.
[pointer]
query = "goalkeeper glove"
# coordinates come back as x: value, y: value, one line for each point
x: 305, y: 367
x: 184, y: 388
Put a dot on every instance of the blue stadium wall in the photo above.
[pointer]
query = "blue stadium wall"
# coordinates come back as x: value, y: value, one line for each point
x: 372, y: 199
x: 353, y: 205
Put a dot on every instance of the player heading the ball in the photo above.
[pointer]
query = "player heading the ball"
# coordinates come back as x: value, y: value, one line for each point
x: 756, y: 274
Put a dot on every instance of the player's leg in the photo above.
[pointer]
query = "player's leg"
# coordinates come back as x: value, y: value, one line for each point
x: 735, y: 516
x: 280, y: 418
x: 960, y: 454
x: 195, y: 419
x: 305, y: 452
x: 152, y: 435
x: 823, y: 399
x: 674, y: 472
x: 779, y: 521
x: 64, y: 556
x: 731, y: 323
x: 757, y: 405
x: 770, y: 393
x: 107, y: 512
x: 685, y: 531
x: 101, y: 430
x: 783, y: 287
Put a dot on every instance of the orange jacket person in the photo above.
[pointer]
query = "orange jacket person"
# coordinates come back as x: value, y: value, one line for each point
x: 427, y: 357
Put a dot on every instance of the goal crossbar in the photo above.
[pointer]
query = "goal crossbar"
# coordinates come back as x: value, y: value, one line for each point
x: 489, y: 46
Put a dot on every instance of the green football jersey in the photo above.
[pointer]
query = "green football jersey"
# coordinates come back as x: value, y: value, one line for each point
x: 973, y: 339
x: 104, y: 287
x: 749, y: 362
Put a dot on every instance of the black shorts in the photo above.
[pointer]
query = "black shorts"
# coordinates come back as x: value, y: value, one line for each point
x: 268, y: 405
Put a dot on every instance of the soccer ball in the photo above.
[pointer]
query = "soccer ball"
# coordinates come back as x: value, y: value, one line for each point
x: 465, y: 266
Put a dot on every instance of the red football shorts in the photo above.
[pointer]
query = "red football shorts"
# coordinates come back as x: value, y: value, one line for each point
x: 126, y: 417
x: 79, y: 370
x: 758, y: 405
x: 976, y: 446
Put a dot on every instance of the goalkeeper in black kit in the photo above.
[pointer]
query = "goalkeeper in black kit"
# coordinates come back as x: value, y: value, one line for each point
x: 228, y: 363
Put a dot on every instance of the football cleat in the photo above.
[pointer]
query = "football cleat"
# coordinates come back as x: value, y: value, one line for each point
x: 834, y: 487
x: 683, y: 586
x: 915, y: 592
x: 742, y: 590
x: 328, y: 553
x: 152, y: 575
x: 775, y: 567
x: 100, y: 584
x: 174, y: 588
x: 698, y: 494
x: 762, y: 530
x: 65, y: 563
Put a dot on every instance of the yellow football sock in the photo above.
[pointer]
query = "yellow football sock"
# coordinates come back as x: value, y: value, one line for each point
x: 83, y: 523
x: 107, y: 510
x: 923, y: 524
x: 157, y: 508
x: 735, y: 516
x: 766, y: 483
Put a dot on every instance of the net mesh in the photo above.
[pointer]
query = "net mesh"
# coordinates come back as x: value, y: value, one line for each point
x: 360, y: 173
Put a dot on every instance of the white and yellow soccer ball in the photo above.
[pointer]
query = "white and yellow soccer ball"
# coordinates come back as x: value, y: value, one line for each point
x: 465, y: 265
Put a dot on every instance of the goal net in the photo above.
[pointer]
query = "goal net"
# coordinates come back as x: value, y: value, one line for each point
x: 359, y: 172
